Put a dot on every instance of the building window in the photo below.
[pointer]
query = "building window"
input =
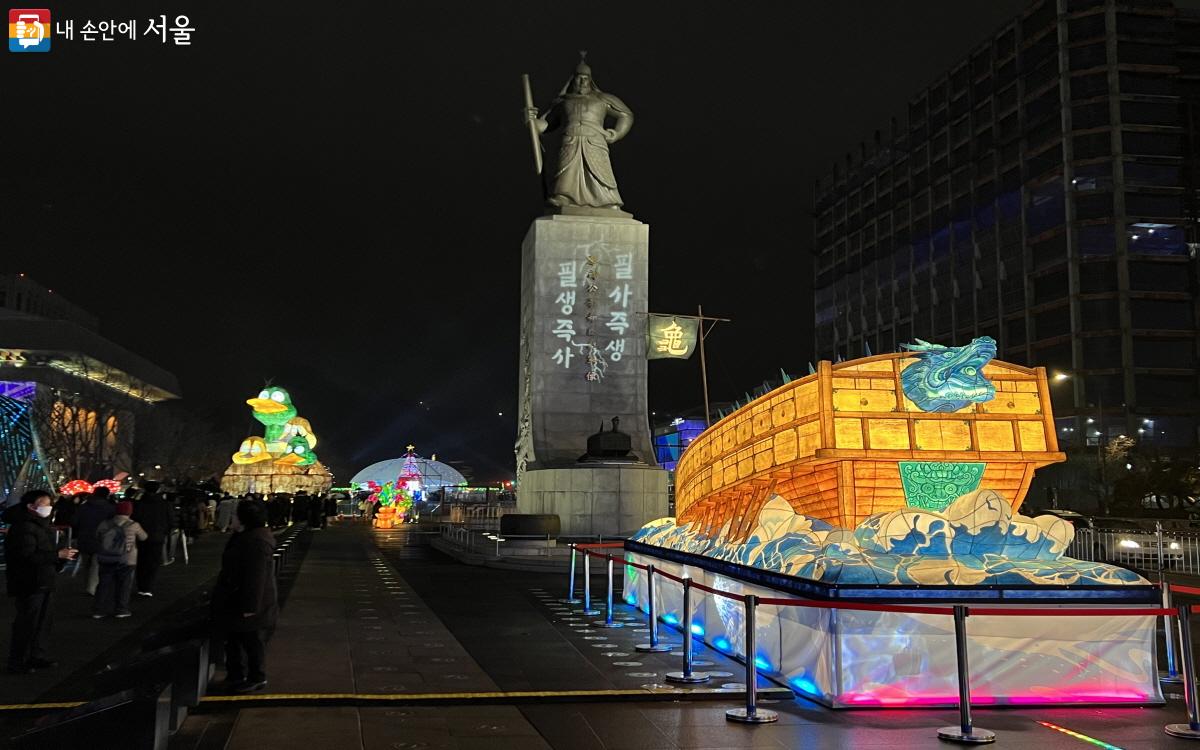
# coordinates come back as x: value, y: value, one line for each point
x: 1088, y: 116
x: 1150, y: 113
x: 1016, y: 332
x: 1097, y: 277
x: 1145, y: 83
x: 1089, y: 86
x: 1160, y: 314
x: 1050, y: 287
x: 1165, y: 390
x: 1148, y: 238
x: 1135, y: 53
x: 1092, y: 177
x: 1154, y: 175
x: 1101, y: 352
x: 1051, y: 323
x: 1148, y: 204
x: 1157, y: 276
x: 1088, y: 27
x: 1151, y: 144
x: 1089, y: 56
x: 1163, y: 353
x: 1046, y: 207
x: 1097, y: 239
x: 1092, y: 145
x: 1057, y: 357
x: 1047, y: 253
x: 1099, y: 315
x: 1093, y: 205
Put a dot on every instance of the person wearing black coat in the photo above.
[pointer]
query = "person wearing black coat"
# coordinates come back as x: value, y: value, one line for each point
x: 245, y: 603
x: 153, y: 512
x: 32, y: 561
x: 316, y: 512
x: 88, y: 518
x: 300, y: 507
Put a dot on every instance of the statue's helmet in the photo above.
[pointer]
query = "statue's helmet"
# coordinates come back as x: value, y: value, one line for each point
x: 582, y: 69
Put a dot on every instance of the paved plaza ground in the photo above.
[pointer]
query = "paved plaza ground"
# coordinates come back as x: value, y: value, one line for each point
x: 369, y: 613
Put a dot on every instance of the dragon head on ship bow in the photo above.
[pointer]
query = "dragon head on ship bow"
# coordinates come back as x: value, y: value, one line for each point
x: 947, y: 378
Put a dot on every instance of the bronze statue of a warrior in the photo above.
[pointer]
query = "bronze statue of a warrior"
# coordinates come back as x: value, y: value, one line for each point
x: 583, y: 177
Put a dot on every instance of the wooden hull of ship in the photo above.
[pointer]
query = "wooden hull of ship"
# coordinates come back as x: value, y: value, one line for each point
x: 831, y: 444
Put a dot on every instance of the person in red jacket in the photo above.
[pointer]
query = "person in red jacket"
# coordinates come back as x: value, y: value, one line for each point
x: 245, y: 602
x: 32, y: 562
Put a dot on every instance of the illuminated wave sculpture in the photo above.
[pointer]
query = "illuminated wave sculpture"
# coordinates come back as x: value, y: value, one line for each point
x: 975, y: 541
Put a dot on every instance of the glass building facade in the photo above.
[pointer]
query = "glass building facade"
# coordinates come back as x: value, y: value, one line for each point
x: 1044, y: 193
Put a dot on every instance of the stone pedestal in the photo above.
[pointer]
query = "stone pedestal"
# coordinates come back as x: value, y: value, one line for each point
x: 608, y: 500
x: 584, y: 291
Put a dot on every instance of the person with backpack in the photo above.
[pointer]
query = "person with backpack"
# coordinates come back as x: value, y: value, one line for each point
x: 117, y: 553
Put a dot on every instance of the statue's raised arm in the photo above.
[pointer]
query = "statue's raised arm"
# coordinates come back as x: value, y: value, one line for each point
x: 582, y: 181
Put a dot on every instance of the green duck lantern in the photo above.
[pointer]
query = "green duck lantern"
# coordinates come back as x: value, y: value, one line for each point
x: 274, y: 408
x: 297, y: 453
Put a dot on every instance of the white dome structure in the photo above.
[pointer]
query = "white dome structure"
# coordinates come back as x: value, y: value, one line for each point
x: 434, y: 474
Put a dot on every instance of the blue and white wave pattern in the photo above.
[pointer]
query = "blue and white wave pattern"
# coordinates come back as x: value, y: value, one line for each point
x: 974, y: 541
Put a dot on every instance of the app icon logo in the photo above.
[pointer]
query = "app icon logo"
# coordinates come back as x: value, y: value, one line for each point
x: 29, y: 30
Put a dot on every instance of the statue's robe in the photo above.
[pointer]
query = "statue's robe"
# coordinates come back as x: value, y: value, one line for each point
x: 585, y: 176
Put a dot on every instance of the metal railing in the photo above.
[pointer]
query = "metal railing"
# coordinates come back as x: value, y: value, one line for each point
x: 1144, y: 549
x: 490, y: 541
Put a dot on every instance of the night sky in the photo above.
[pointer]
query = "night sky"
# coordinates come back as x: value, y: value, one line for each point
x: 333, y: 196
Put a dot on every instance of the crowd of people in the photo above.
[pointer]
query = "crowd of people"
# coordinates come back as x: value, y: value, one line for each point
x: 119, y: 545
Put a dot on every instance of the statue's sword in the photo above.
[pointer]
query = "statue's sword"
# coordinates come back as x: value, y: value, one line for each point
x: 533, y: 131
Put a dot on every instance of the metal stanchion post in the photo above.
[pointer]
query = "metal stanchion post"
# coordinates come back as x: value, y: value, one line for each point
x: 965, y: 732
x: 654, y: 646
x: 1172, y: 675
x: 1191, y: 730
x: 687, y: 676
x: 571, y: 598
x: 751, y: 714
x: 608, y: 622
x: 587, y: 585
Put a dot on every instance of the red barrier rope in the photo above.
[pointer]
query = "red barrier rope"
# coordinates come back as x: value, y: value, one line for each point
x: 599, y: 545
x: 1185, y: 589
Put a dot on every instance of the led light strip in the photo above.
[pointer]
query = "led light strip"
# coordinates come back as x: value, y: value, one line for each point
x: 1078, y: 736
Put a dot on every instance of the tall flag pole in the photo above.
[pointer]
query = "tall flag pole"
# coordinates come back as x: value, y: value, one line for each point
x: 704, y: 366
x: 676, y: 336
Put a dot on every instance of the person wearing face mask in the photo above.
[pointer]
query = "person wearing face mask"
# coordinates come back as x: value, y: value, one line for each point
x: 32, y: 562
